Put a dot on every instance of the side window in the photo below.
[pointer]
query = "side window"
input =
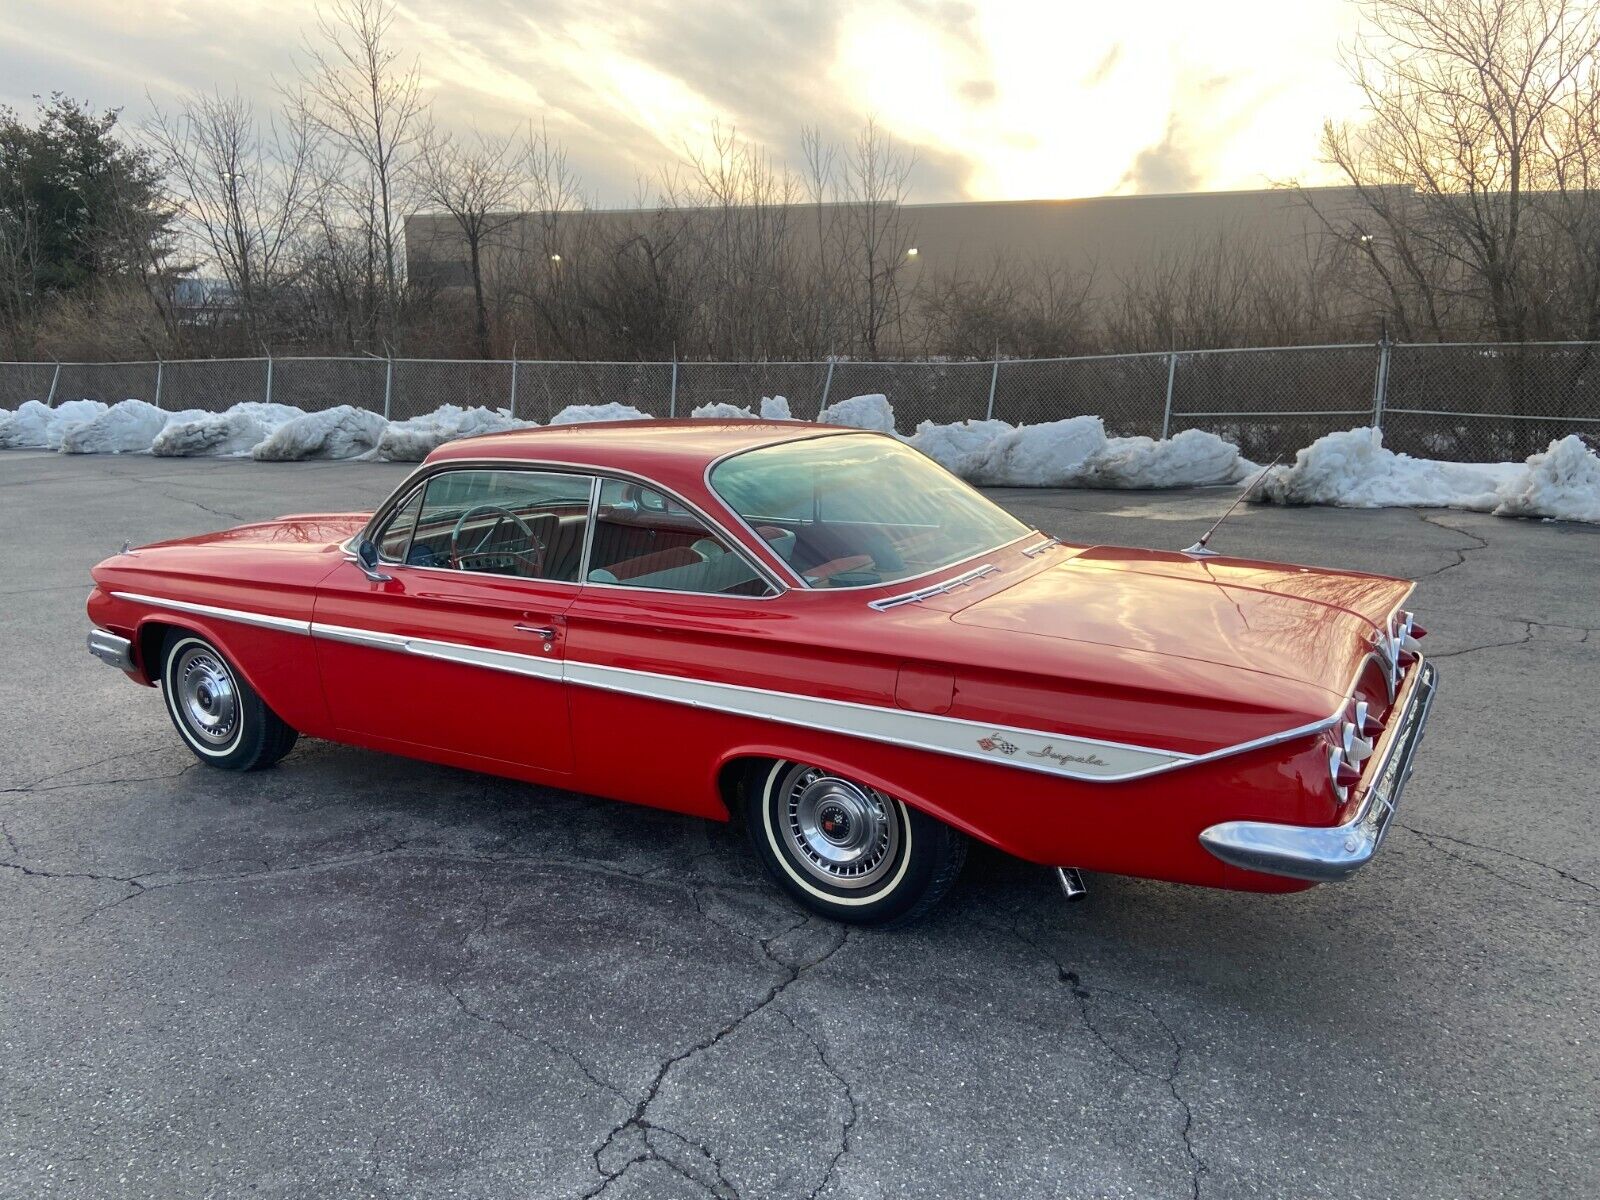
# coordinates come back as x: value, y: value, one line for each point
x: 396, y: 535
x: 643, y: 539
x: 503, y: 522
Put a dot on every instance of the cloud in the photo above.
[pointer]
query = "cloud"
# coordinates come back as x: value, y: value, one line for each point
x: 1000, y: 99
x: 1165, y: 166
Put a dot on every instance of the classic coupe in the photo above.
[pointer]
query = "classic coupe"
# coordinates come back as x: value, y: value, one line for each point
x: 817, y: 631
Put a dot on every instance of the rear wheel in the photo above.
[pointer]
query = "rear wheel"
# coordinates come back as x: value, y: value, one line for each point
x: 219, y: 716
x: 845, y: 850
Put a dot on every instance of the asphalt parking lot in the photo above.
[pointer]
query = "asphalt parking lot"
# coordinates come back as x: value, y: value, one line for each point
x: 358, y: 976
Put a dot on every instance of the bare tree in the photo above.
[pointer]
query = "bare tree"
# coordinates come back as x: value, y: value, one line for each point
x: 368, y: 104
x: 1475, y: 155
x: 245, y: 193
x: 476, y: 185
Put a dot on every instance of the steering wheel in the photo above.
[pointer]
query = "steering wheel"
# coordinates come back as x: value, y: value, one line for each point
x: 533, y: 556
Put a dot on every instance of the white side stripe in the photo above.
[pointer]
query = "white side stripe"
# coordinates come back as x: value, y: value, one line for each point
x: 1054, y: 754
x: 1004, y: 745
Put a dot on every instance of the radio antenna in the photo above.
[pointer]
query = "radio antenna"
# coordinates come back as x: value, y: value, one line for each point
x: 1201, y: 549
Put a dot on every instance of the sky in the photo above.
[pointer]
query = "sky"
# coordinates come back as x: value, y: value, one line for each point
x: 999, y: 99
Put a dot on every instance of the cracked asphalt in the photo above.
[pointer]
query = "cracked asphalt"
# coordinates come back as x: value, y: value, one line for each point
x: 358, y: 976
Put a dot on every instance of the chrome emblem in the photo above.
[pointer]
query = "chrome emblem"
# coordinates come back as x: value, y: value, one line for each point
x: 995, y: 742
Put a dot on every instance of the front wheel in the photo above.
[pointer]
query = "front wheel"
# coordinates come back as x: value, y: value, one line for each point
x: 845, y: 850
x: 219, y: 716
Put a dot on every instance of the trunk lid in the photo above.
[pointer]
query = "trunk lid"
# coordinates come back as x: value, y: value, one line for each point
x: 1305, y: 624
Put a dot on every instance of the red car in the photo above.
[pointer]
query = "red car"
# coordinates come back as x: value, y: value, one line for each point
x: 817, y: 630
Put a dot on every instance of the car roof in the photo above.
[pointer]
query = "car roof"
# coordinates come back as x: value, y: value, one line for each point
x: 671, y: 451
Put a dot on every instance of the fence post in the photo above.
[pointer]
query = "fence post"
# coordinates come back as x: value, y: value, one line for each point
x: 1166, y: 412
x: 672, y: 397
x: 159, y: 367
x: 1380, y: 384
x: 994, y: 378
x: 55, y: 378
x: 269, y: 377
x: 827, y: 386
x: 388, y: 381
x: 513, y: 409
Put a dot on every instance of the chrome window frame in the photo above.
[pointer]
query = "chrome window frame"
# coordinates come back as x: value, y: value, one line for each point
x: 800, y: 579
x: 596, y: 475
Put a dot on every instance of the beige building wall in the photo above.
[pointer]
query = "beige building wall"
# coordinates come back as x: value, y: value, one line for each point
x: 1113, y: 234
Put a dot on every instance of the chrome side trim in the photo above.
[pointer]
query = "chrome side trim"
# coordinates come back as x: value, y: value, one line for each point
x: 532, y: 665
x: 1061, y: 755
x: 263, y: 620
x: 1324, y: 854
x: 110, y: 649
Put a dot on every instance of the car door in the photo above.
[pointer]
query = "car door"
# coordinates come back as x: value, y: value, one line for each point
x: 460, y: 646
x: 666, y: 598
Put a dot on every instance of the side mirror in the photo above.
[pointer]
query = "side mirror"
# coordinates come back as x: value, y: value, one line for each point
x: 367, y: 560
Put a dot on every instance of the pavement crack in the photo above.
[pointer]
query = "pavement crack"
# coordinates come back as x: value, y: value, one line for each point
x: 1083, y: 997
x: 215, y: 512
x: 639, y: 1119
x: 1432, y: 840
x: 849, y: 1124
x: 1527, y: 636
x: 1460, y: 552
x: 450, y: 985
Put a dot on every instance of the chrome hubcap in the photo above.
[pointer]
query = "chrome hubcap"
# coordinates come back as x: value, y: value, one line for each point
x: 205, y: 695
x: 840, y: 832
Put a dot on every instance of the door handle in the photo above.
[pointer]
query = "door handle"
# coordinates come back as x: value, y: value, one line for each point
x: 547, y: 632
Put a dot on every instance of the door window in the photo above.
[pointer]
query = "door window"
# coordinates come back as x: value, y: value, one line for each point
x: 645, y: 539
x: 395, y: 539
x: 530, y: 524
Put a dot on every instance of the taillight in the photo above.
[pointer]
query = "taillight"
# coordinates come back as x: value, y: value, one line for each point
x: 1369, y: 725
x: 1356, y: 749
x: 1344, y: 775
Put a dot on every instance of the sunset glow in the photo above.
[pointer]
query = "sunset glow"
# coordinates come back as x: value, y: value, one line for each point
x: 1004, y: 99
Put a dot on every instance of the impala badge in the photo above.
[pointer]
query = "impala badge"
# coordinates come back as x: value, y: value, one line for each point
x: 995, y: 742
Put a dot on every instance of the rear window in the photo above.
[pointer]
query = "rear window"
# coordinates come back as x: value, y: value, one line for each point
x: 855, y: 510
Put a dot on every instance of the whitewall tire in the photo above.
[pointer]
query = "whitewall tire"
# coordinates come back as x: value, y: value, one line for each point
x: 846, y: 850
x: 219, y: 716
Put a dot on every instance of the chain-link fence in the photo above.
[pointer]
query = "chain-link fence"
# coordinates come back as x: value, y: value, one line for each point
x: 1464, y: 401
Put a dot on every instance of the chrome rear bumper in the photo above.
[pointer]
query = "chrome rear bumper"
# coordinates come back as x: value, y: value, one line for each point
x: 1324, y: 854
x: 110, y: 649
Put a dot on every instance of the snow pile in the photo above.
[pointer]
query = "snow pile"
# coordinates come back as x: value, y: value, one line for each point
x: 37, y: 426
x: 580, y: 414
x: 1353, y: 469
x: 723, y: 412
x: 871, y: 411
x: 1077, y: 453
x: 961, y: 448
x: 127, y: 427
x: 414, y: 440
x: 1563, y: 483
x: 342, y: 432
x: 232, y: 433
x: 1193, y: 458
x: 775, y: 408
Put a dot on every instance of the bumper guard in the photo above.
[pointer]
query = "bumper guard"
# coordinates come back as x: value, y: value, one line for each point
x: 1324, y: 854
x: 112, y: 650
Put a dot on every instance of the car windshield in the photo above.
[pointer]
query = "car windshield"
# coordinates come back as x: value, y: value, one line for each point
x: 859, y: 509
